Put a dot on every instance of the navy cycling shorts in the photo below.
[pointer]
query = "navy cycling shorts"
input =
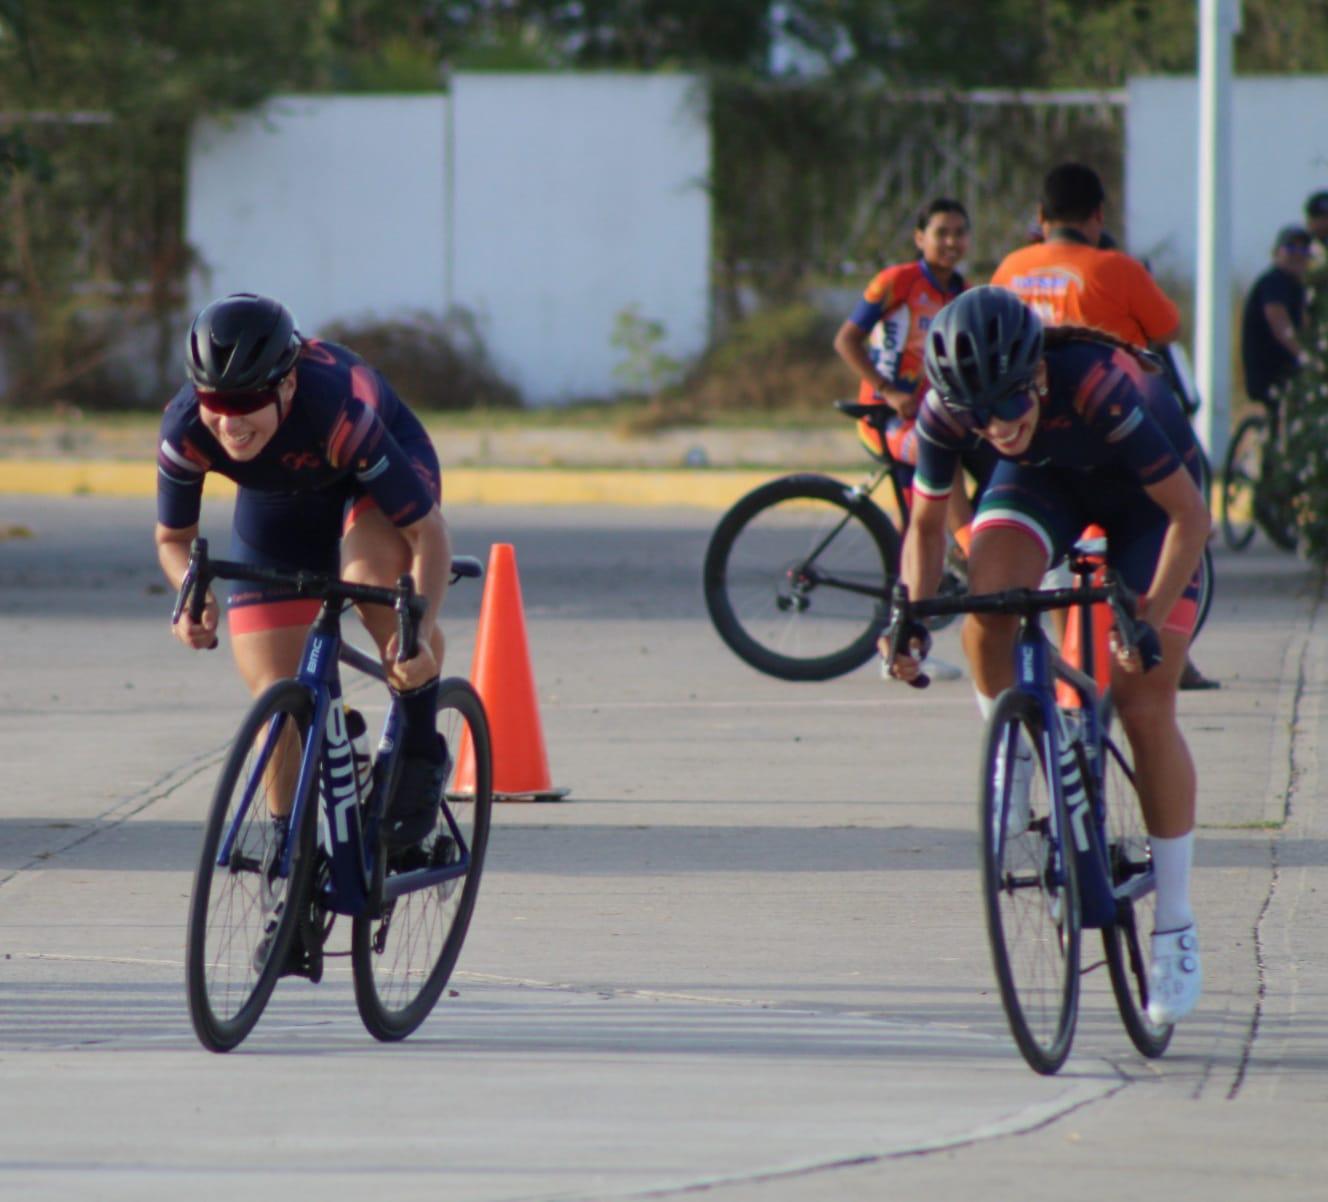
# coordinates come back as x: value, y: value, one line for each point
x: 1054, y: 505
x: 300, y: 530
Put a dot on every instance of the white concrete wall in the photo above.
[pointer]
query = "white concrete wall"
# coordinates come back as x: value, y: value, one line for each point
x: 578, y: 196
x: 544, y: 204
x: 1279, y: 156
x: 332, y: 204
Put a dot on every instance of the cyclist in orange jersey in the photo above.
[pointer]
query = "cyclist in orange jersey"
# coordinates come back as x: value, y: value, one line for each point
x: 882, y: 340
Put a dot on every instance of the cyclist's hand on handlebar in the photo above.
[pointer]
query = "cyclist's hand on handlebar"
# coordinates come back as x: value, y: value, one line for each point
x: 1146, y: 654
x: 200, y: 635
x: 411, y: 673
x: 907, y: 668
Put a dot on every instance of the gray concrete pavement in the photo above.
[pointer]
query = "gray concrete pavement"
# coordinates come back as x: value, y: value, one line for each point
x: 746, y: 954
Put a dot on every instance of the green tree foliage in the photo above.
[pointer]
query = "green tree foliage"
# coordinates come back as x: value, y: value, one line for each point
x: 97, y: 98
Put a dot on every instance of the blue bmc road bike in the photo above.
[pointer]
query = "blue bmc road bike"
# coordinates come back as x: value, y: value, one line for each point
x: 266, y: 893
x: 1071, y: 851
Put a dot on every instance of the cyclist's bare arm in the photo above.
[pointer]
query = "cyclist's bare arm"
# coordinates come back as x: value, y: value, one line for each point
x: 1188, y: 525
x: 173, y: 554
x: 1283, y: 328
x: 850, y: 345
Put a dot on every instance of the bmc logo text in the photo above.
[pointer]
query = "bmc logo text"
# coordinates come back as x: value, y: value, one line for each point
x: 339, y: 770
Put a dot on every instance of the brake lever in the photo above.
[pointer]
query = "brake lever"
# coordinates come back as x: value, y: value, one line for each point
x: 1134, y: 633
x: 409, y: 608
x: 899, y: 630
x: 193, y: 587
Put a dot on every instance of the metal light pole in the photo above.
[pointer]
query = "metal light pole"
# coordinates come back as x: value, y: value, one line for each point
x: 1219, y: 22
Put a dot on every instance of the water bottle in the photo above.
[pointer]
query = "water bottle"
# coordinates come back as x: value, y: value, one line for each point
x: 358, y: 733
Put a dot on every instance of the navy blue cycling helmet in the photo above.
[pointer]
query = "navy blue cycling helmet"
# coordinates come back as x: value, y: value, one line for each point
x: 982, y: 351
x: 241, y: 343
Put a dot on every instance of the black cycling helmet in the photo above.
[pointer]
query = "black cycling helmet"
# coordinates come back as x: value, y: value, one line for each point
x: 982, y: 351
x: 241, y: 343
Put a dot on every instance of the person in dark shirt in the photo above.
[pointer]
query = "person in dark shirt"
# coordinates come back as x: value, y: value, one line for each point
x: 334, y: 475
x: 1273, y: 316
x: 1088, y: 431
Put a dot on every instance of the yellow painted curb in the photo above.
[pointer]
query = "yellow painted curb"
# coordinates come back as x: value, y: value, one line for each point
x: 700, y: 488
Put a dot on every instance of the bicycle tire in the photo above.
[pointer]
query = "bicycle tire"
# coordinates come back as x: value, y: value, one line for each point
x: 403, y: 957
x: 1240, y: 481
x: 770, y: 576
x: 229, y: 907
x: 1030, y: 892
x: 1207, y: 582
x: 1128, y: 856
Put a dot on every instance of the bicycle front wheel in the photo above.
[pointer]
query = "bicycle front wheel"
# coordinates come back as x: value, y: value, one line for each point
x: 1030, y: 886
x: 1240, y: 481
x: 797, y: 575
x: 241, y: 920
x: 402, y: 958
x: 1130, y: 861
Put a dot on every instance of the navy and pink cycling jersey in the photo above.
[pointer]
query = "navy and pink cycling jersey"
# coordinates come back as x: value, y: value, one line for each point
x: 347, y: 434
x: 1104, y: 413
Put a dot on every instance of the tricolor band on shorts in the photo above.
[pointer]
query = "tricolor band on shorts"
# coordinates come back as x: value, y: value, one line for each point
x: 1052, y: 507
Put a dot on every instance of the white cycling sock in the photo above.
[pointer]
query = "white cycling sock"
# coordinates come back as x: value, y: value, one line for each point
x: 985, y: 705
x: 1171, y: 865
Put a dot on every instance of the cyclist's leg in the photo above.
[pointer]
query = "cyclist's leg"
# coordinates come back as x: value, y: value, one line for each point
x: 1024, y: 520
x: 267, y: 626
x: 375, y: 551
x: 1146, y: 702
x: 1164, y: 772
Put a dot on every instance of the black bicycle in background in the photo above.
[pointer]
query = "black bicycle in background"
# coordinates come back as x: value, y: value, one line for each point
x: 798, y: 573
x: 1254, y: 492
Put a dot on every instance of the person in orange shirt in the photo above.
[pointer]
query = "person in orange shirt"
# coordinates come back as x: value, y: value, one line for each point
x: 1074, y: 276
x: 1067, y: 279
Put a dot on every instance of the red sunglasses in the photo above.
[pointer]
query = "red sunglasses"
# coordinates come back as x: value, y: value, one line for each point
x: 236, y: 404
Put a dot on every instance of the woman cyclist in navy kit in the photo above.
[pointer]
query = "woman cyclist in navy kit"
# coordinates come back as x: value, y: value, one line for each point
x: 1088, y: 432
x: 335, y: 475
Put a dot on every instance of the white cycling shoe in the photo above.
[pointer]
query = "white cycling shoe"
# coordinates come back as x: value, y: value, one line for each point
x: 1175, y: 976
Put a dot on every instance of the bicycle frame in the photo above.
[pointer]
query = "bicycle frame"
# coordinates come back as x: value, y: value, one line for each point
x: 1038, y: 667
x: 348, y: 828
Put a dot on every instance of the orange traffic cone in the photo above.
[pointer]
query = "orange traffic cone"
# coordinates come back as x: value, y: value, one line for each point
x: 1074, y: 643
x: 501, y: 674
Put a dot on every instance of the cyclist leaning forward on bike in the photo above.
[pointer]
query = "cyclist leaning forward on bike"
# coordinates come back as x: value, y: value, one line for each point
x: 335, y: 475
x: 1088, y: 432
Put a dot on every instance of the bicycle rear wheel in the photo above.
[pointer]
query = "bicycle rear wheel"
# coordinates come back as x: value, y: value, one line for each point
x: 1030, y: 888
x: 1131, y: 863
x: 402, y: 958
x: 1240, y: 480
x: 797, y: 575
x: 237, y: 893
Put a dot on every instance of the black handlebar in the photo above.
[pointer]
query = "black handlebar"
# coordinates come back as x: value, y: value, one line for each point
x: 1134, y: 635
x: 408, y: 604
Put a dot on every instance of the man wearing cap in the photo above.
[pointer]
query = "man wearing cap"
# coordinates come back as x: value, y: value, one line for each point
x: 1270, y: 347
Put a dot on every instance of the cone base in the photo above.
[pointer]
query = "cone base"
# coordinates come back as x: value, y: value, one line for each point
x: 535, y: 795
